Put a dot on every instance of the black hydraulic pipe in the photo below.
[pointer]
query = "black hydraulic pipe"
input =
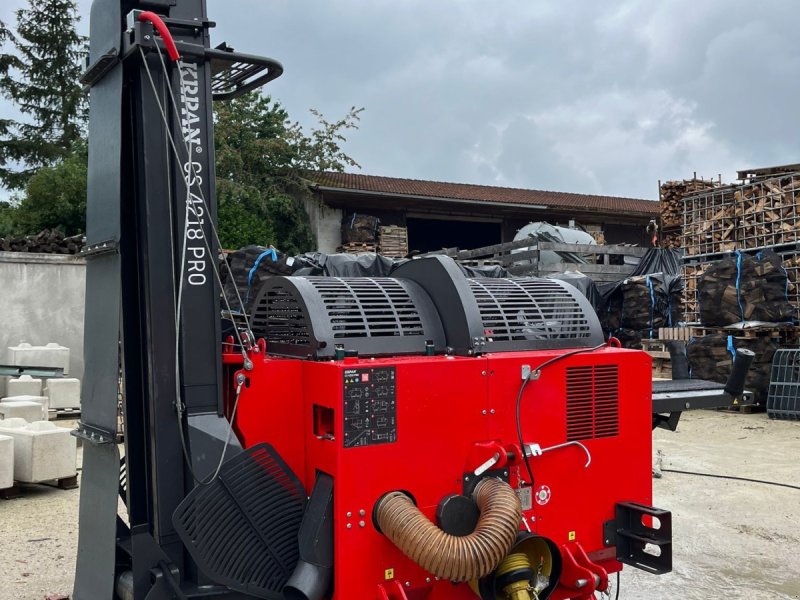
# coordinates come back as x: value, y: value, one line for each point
x: 741, y: 365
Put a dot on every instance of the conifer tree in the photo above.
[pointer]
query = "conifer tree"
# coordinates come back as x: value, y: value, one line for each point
x: 40, y: 76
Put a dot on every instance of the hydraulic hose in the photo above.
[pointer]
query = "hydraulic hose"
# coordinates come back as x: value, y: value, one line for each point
x: 452, y: 557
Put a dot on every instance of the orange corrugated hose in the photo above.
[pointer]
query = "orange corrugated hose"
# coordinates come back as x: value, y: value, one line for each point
x: 451, y: 557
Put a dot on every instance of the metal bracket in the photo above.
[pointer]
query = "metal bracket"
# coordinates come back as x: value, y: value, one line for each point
x: 100, y: 248
x: 529, y: 374
x: 98, y: 69
x: 93, y: 435
x: 16, y: 371
x: 668, y: 422
x: 641, y: 545
x: 159, y: 3
x: 132, y: 18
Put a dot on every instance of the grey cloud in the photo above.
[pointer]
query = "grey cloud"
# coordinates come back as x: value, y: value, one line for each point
x: 574, y: 95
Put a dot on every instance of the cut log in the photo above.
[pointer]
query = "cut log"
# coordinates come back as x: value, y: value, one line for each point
x: 49, y: 241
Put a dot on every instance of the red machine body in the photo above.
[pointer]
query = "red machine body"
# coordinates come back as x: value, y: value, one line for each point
x: 431, y: 422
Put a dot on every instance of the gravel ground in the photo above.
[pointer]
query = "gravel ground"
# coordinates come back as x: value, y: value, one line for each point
x: 732, y: 539
x: 38, y: 541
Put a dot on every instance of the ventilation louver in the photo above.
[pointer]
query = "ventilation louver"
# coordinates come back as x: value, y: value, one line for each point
x: 311, y: 316
x: 486, y: 314
x: 592, y: 402
x: 528, y: 309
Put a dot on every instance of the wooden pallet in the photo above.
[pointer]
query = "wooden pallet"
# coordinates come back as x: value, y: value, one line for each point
x: 680, y: 334
x: 357, y: 247
x: 747, y: 409
x: 489, y: 262
x: 15, y: 491
x: 656, y: 348
x: 64, y: 413
x: 659, y: 352
x: 521, y: 257
x: 776, y: 331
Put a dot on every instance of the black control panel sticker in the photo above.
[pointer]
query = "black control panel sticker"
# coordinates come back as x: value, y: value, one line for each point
x: 370, y: 407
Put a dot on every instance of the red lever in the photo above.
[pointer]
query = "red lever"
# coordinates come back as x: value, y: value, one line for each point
x: 391, y: 590
x: 172, y: 50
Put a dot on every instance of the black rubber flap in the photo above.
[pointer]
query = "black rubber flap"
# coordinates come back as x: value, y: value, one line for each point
x: 242, y: 529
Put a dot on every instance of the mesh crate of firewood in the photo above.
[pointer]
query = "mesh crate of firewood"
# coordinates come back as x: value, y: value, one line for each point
x: 709, y: 221
x: 791, y: 263
x: 690, y: 305
x: 393, y: 241
x: 768, y: 212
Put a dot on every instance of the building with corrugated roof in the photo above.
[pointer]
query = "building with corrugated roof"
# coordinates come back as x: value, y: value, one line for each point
x: 444, y: 215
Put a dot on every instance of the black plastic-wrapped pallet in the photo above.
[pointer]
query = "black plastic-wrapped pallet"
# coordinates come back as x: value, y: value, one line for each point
x: 783, y: 401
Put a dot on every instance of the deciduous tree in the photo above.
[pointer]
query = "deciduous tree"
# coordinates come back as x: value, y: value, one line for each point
x: 264, y: 161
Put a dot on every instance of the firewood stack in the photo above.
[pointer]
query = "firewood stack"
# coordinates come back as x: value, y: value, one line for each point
x: 359, y: 234
x: 362, y: 229
x: 599, y: 237
x: 768, y: 212
x: 791, y: 263
x: 49, y: 241
x: 671, y: 199
x: 672, y: 239
x: 710, y: 358
x: 744, y: 288
x: 731, y: 293
x: 762, y: 213
x: 639, y: 306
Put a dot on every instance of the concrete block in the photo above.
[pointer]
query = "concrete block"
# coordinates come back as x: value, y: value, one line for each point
x: 42, y: 400
x: 63, y: 393
x: 51, y: 355
x: 30, y: 411
x: 42, y: 450
x: 6, y: 462
x: 24, y: 385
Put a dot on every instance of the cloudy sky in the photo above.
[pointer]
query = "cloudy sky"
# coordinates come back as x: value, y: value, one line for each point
x: 570, y: 95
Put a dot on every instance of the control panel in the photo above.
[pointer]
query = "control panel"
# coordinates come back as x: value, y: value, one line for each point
x: 370, y: 406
